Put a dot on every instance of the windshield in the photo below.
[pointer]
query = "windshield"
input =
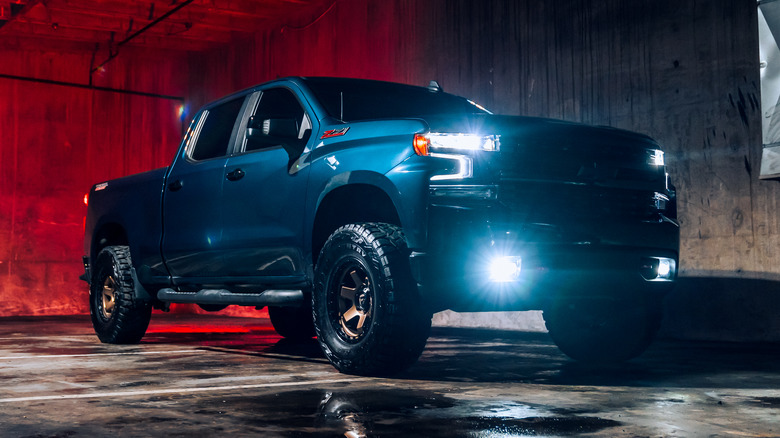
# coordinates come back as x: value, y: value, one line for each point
x: 363, y: 100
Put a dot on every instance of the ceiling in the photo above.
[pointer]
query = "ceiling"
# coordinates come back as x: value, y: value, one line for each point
x: 192, y: 25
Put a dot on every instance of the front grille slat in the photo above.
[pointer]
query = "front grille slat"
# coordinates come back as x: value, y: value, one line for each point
x: 549, y: 203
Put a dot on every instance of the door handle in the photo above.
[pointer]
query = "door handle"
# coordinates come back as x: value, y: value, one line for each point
x: 235, y: 175
x: 176, y: 185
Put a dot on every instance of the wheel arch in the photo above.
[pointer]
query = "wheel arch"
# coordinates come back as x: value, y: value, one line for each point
x: 337, y: 208
x: 108, y: 234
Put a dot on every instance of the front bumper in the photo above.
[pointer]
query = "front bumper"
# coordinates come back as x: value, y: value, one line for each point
x: 590, y: 258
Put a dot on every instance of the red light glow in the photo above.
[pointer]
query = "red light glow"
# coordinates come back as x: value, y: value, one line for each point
x: 170, y: 328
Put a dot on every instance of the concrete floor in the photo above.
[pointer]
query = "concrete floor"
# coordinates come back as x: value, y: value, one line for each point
x: 220, y: 376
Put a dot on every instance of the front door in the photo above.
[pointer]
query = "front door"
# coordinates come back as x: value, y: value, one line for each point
x: 264, y: 193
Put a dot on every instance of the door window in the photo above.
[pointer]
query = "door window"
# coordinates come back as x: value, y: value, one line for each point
x: 214, y: 137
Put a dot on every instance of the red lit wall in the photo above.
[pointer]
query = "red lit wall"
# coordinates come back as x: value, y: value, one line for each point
x: 55, y: 142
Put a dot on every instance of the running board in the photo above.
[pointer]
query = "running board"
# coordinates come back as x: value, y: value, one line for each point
x: 278, y: 298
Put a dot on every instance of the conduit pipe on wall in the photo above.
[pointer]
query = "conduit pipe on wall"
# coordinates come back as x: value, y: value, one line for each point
x: 91, y: 87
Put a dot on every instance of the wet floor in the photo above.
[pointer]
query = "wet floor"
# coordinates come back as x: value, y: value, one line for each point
x: 220, y: 376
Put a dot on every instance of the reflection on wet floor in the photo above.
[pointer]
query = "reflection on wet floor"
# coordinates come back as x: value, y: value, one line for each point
x: 212, y: 376
x: 394, y: 412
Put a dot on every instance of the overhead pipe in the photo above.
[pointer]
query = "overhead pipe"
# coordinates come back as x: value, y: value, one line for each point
x: 114, y: 54
x: 92, y: 87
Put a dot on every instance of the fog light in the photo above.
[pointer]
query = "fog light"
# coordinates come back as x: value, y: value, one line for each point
x: 658, y: 269
x: 665, y: 268
x: 505, y: 269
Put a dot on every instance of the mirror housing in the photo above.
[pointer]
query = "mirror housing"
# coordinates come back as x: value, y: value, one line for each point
x: 276, y: 132
x: 281, y: 129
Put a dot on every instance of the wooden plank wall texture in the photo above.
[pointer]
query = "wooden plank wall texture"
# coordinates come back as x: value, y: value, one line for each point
x: 55, y: 142
x: 682, y: 71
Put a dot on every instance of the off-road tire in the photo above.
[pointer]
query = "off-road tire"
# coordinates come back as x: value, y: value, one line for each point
x: 370, y: 260
x: 116, y: 316
x: 604, y: 330
x: 294, y: 323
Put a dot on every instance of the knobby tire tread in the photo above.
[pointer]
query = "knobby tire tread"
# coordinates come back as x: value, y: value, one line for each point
x: 401, y: 335
x: 132, y: 317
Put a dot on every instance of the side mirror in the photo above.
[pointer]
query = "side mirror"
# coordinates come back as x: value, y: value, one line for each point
x: 276, y: 132
x: 278, y: 129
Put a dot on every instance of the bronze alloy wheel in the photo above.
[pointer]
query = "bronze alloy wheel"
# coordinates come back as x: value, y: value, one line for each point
x: 366, y: 310
x: 108, y: 298
x: 352, y: 290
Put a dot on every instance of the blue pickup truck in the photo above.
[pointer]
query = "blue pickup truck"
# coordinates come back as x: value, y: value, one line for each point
x: 355, y: 209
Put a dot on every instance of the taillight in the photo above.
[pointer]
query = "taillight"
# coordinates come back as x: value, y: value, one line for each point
x: 86, y: 199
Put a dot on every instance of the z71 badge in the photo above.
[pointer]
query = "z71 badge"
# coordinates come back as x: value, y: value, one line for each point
x: 334, y: 133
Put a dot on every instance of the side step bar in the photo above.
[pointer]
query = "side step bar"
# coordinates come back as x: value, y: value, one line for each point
x: 279, y: 298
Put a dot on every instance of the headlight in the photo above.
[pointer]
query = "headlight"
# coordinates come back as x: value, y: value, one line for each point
x: 657, y: 157
x: 456, y: 147
x: 424, y: 144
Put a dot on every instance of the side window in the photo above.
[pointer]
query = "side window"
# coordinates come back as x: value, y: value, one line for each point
x: 279, y: 119
x: 214, y: 137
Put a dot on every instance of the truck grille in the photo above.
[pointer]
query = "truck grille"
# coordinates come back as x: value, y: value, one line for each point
x: 552, y: 203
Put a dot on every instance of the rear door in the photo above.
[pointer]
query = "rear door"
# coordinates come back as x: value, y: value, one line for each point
x: 192, y: 207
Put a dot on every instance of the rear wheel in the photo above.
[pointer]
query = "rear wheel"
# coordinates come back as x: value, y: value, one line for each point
x: 116, y: 316
x: 367, y: 313
x: 292, y: 322
x: 603, y: 330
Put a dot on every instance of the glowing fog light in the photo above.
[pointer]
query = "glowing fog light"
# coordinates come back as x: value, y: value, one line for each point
x: 658, y: 269
x: 505, y: 269
x: 665, y: 268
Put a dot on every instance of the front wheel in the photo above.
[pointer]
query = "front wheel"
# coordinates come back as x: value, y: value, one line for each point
x: 603, y: 330
x: 116, y: 316
x: 368, y: 315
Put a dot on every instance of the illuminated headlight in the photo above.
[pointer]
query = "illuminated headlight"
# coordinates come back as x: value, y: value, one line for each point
x: 504, y: 269
x: 657, y: 157
x: 456, y: 147
x: 464, y: 167
x: 466, y: 142
x: 425, y: 144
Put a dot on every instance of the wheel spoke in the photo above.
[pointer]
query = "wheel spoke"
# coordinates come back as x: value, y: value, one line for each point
x: 362, y: 320
x: 352, y: 313
x: 108, y: 297
x: 348, y: 293
x: 359, y: 281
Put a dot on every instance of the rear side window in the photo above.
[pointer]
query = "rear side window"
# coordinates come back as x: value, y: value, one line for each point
x: 214, y: 137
